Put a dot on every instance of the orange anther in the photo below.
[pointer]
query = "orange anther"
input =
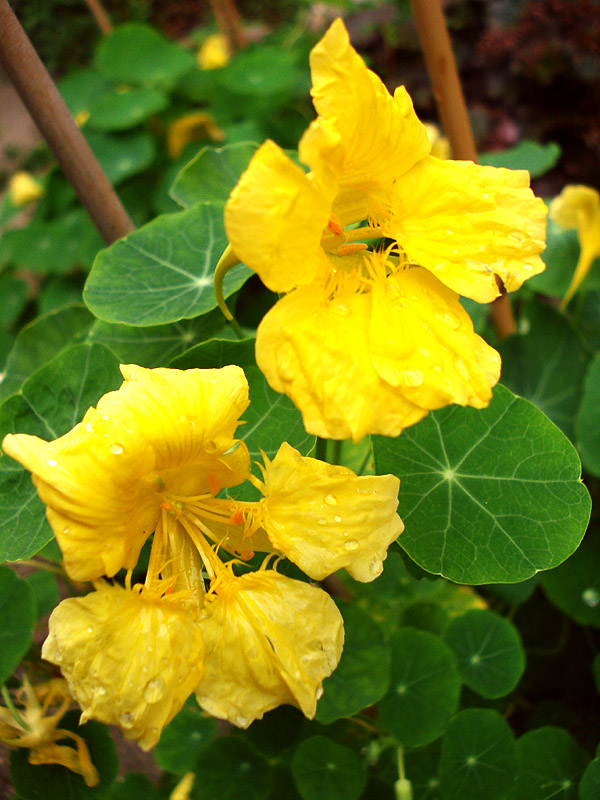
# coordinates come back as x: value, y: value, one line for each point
x: 170, y: 590
x: 167, y: 505
x: 237, y: 517
x: 334, y: 225
x: 246, y: 555
x: 352, y: 247
x: 214, y: 486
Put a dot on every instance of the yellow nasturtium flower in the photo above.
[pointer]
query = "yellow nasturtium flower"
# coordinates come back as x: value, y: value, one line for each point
x: 152, y: 457
x: 214, y: 52
x: 23, y: 189
x: 579, y: 207
x: 368, y: 340
x: 192, y: 126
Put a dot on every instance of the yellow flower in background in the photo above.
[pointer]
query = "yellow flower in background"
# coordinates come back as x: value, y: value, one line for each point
x: 23, y: 189
x: 34, y: 726
x: 269, y: 640
x: 186, y: 129
x: 214, y: 52
x: 440, y: 146
x: 579, y: 207
x: 152, y: 458
x: 315, y: 237
x: 130, y: 658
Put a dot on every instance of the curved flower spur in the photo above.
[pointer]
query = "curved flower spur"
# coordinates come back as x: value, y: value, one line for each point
x: 152, y: 458
x: 371, y: 250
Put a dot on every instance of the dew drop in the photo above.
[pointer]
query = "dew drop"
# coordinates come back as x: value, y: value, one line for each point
x: 330, y: 499
x: 89, y: 427
x: 337, y: 518
x: 90, y: 629
x: 413, y: 377
x: 516, y: 236
x: 210, y: 446
x: 101, y: 691
x: 375, y: 567
x: 424, y: 352
x: 105, y: 417
x: 319, y: 692
x: 351, y: 545
x: 66, y: 530
x: 528, y: 267
x: 591, y: 597
x: 322, y: 521
x: 154, y: 690
x: 449, y: 318
x: 126, y: 720
x: 52, y: 462
x: 462, y: 370
x: 342, y: 310
x: 116, y: 449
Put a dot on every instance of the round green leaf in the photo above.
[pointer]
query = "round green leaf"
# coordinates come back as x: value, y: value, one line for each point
x: 55, y: 782
x: 363, y: 674
x: 589, y: 787
x: 212, y: 174
x: 183, y: 739
x: 529, y: 155
x: 117, y: 110
x: 478, y: 756
x: 45, y: 590
x: 136, y: 53
x: 17, y: 620
x: 49, y: 404
x: 587, y: 424
x: 424, y: 687
x: 574, y: 586
x: 259, y: 72
x: 488, y: 652
x: 271, y: 418
x: 421, y: 767
x: 163, y: 272
x: 228, y: 768
x: 324, y: 769
x: 550, y: 764
x: 547, y: 365
x: 122, y: 156
x: 490, y: 495
x: 80, y: 88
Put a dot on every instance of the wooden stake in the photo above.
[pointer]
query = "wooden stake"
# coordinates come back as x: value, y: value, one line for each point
x: 452, y: 110
x: 100, y: 15
x: 229, y: 22
x: 52, y: 117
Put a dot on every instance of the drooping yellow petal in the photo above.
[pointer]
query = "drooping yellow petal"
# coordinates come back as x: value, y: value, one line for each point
x: 317, y: 353
x: 103, y: 482
x: 579, y: 207
x: 324, y: 517
x: 274, y: 219
x: 269, y: 640
x: 365, y: 137
x: 186, y: 129
x: 422, y: 341
x: 467, y: 223
x: 129, y: 660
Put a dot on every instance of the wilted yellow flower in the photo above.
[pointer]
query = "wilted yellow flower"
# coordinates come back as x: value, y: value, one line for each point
x: 579, y: 207
x: 214, y: 52
x: 24, y: 189
x: 40, y: 710
x: 326, y: 344
x: 269, y: 640
x: 186, y: 129
x: 130, y: 658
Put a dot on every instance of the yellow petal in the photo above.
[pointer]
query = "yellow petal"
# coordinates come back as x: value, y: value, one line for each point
x: 365, y: 137
x: 186, y: 129
x: 163, y: 430
x: 24, y: 189
x: 579, y: 207
x: 317, y: 353
x: 422, y: 342
x: 128, y: 660
x: 269, y: 640
x: 214, y: 52
x: 324, y: 517
x: 274, y: 219
x: 468, y: 223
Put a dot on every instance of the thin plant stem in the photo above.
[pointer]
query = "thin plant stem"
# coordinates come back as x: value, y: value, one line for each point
x: 13, y: 711
x: 236, y: 328
x: 336, y: 451
x: 452, y: 110
x: 49, y: 112
x: 100, y: 15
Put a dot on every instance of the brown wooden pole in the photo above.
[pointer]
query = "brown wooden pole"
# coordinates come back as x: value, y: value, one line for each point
x: 52, y: 117
x: 452, y: 110
x: 229, y: 22
x: 100, y: 15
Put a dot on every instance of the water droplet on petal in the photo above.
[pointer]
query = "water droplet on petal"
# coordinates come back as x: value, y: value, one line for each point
x: 210, y: 446
x: 376, y: 567
x: 319, y: 692
x: 89, y: 427
x: 342, y: 310
x: 337, y: 518
x: 101, y: 691
x: 462, y: 370
x: 66, y: 530
x: 351, y: 545
x: 52, y: 462
x: 516, y: 236
x: 322, y: 521
x: 413, y: 377
x: 116, y: 449
x: 90, y: 629
x: 126, y: 720
x: 330, y: 499
x: 448, y: 318
x: 154, y: 690
x: 424, y: 352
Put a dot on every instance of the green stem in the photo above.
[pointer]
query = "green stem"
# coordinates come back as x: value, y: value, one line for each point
x: 321, y: 449
x: 14, y: 713
x: 336, y: 451
x: 365, y: 461
x: 236, y: 327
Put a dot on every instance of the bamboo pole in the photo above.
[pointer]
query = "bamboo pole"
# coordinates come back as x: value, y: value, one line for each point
x: 52, y: 117
x: 452, y: 110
